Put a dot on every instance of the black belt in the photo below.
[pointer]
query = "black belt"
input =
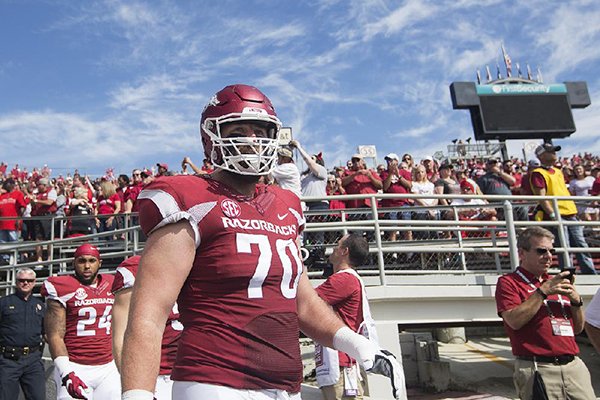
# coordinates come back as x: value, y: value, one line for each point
x: 558, y: 360
x: 20, y: 350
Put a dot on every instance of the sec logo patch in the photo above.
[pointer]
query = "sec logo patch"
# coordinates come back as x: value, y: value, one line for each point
x: 231, y: 208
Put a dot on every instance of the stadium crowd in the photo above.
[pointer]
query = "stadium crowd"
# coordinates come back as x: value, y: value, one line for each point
x: 38, y: 193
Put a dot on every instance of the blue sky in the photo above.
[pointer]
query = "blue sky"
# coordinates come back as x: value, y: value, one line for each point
x: 97, y: 84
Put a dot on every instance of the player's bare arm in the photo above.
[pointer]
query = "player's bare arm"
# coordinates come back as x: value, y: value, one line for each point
x: 120, y: 314
x: 166, y: 263
x: 55, y: 326
x: 315, y: 317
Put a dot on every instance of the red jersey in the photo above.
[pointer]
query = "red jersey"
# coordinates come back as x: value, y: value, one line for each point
x: 238, y: 303
x: 10, y: 205
x: 87, y: 337
x: 343, y: 292
x: 107, y: 206
x: 124, y: 279
x: 535, y: 338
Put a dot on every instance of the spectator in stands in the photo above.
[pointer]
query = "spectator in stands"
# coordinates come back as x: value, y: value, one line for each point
x: 80, y: 208
x: 581, y: 185
x: 109, y: 206
x: 313, y: 184
x: 542, y: 314
x: 446, y: 185
x: 397, y: 180
x: 360, y: 180
x: 286, y: 174
x: 163, y: 169
x: 380, y: 170
x: 421, y: 185
x: 592, y: 321
x: 525, y: 189
x: 334, y: 188
x: 134, y: 190
x: 410, y: 162
x: 549, y: 181
x: 43, y: 207
x: 430, y: 169
x: 472, y: 213
x: 12, y: 204
x: 496, y: 180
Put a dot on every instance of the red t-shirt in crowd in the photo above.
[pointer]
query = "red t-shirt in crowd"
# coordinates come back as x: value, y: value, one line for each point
x: 396, y: 187
x: 107, y: 206
x: 10, y: 204
x: 343, y: 292
x: 535, y: 338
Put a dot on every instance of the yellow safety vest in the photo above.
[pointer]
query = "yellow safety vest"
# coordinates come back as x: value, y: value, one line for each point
x: 555, y: 186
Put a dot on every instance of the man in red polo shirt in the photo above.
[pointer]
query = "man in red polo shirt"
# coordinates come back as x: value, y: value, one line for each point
x: 397, y: 179
x: 360, y: 180
x: 12, y: 204
x: 542, y: 314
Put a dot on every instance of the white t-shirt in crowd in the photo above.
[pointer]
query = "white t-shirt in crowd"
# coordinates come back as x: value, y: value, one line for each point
x: 424, y: 188
x: 287, y: 177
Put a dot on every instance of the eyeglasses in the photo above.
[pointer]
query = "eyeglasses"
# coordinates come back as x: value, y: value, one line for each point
x: 25, y: 280
x: 543, y: 251
x: 137, y: 174
x: 406, y: 158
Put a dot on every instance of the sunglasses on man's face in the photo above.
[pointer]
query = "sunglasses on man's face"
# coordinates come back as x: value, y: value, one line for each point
x: 25, y: 280
x: 542, y: 251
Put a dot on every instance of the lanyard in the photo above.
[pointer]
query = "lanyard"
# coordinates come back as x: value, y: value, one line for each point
x: 560, y: 299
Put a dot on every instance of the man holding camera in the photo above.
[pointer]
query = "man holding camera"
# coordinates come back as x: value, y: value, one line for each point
x: 542, y: 314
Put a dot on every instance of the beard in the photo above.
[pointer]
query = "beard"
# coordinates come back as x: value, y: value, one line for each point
x: 86, y: 281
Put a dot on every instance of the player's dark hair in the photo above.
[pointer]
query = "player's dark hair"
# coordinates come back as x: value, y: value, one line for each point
x: 358, y: 249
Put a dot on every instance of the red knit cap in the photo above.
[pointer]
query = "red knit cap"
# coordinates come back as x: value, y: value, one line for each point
x: 87, y: 250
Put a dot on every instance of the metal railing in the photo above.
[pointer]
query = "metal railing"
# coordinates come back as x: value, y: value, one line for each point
x: 444, y: 245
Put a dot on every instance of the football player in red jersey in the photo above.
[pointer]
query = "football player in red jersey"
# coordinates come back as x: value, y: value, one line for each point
x: 122, y: 288
x: 228, y: 254
x: 77, y: 325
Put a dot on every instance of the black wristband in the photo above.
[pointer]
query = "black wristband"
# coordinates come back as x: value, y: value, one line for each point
x: 539, y: 291
x: 573, y: 304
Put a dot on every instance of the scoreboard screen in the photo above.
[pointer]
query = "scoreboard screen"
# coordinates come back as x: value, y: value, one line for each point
x: 519, y: 111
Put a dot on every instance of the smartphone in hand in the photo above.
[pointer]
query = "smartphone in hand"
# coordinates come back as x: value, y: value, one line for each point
x: 571, y: 275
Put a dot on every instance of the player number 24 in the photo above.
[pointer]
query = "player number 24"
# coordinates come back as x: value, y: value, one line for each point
x: 90, y: 319
x: 282, y: 246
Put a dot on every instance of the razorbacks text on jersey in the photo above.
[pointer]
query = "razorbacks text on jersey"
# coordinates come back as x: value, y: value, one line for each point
x: 124, y: 279
x: 238, y: 304
x: 88, y: 335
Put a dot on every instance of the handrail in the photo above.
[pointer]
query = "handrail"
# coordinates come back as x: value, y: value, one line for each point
x: 500, y: 248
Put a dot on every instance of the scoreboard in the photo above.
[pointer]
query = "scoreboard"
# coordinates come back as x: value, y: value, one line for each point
x: 520, y: 109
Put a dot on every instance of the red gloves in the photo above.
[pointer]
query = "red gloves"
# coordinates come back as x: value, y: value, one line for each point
x: 75, y: 386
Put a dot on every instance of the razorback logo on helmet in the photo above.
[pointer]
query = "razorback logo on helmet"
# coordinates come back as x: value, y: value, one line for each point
x: 231, y: 208
x: 80, y: 294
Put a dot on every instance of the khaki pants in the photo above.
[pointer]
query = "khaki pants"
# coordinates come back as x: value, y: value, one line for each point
x: 570, y: 381
x: 336, y: 392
